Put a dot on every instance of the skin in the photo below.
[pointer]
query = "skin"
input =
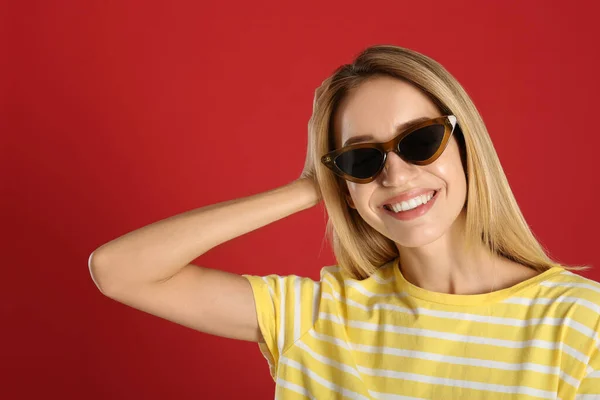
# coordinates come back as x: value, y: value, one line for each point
x: 431, y: 247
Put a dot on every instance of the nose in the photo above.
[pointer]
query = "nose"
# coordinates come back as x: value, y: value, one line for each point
x: 396, y: 171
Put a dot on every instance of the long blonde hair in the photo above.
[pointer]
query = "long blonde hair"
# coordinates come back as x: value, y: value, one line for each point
x: 493, y: 217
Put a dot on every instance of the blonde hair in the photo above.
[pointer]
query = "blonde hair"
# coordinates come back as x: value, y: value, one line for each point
x: 493, y: 217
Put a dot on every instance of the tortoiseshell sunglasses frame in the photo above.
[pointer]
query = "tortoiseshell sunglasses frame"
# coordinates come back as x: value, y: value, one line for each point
x: 449, y: 122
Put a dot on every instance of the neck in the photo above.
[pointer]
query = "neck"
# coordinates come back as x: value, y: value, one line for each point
x: 445, y: 266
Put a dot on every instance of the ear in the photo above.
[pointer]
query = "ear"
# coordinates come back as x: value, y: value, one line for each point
x: 347, y: 196
x: 350, y: 201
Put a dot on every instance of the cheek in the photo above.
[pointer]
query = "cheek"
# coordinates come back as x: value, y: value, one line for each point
x: 453, y: 175
x: 354, y: 190
x: 449, y: 165
x: 360, y: 192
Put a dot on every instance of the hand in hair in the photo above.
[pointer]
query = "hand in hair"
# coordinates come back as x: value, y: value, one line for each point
x: 309, y: 173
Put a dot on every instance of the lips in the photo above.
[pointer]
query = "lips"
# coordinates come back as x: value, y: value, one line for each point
x: 407, y: 195
x: 414, y: 213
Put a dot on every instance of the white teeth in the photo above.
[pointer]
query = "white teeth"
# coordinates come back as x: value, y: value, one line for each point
x: 410, y: 204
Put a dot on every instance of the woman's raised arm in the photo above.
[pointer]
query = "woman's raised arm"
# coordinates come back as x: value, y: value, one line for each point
x: 149, y: 268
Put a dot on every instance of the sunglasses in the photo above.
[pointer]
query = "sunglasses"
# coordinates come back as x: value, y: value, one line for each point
x: 421, y: 144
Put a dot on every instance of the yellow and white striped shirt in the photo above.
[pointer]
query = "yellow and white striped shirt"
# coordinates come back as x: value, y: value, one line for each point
x: 385, y: 338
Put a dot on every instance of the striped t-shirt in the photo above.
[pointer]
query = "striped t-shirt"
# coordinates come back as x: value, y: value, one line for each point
x: 385, y: 338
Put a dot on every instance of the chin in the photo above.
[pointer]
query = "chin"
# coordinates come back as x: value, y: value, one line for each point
x: 417, y: 240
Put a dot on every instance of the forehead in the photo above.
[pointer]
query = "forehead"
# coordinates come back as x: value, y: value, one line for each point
x: 377, y: 107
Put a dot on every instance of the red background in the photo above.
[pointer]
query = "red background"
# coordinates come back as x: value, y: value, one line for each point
x: 117, y: 114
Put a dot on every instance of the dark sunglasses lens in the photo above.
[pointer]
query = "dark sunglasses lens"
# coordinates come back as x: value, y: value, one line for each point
x: 360, y: 163
x: 422, y: 144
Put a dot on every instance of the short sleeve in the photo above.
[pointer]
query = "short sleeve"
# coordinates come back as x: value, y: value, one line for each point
x: 286, y: 308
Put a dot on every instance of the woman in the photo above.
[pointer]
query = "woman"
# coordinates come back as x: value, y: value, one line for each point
x: 441, y: 290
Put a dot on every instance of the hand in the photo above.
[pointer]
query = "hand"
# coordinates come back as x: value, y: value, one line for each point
x: 312, y: 160
x: 308, y: 173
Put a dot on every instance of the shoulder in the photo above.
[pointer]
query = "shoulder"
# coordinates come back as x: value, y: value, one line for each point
x: 580, y: 296
x: 335, y: 280
x: 584, y: 294
x: 567, y: 283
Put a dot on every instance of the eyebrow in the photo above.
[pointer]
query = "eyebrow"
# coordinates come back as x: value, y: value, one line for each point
x: 399, y: 128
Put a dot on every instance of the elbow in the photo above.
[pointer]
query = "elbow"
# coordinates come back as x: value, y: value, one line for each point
x: 98, y: 273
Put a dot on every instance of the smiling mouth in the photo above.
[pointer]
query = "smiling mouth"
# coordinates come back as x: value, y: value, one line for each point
x: 415, y: 202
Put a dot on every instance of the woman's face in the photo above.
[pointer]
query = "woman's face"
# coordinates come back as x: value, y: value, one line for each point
x: 377, y: 108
